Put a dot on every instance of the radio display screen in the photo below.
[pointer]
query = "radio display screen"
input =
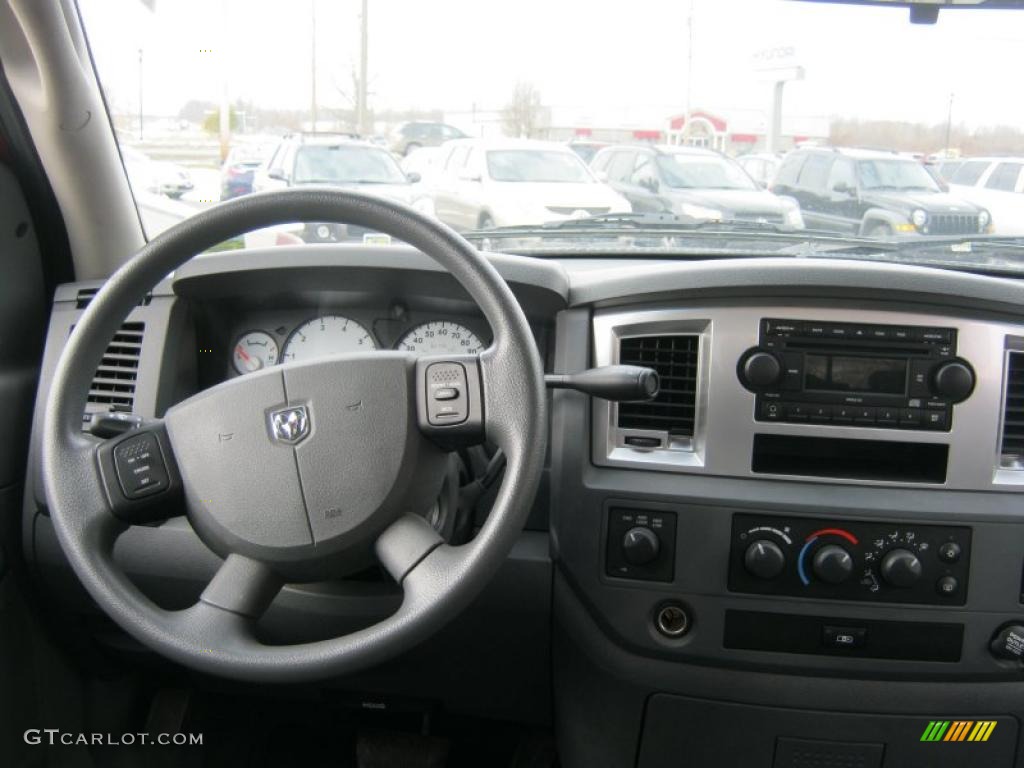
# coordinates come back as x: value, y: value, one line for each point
x: 879, y: 375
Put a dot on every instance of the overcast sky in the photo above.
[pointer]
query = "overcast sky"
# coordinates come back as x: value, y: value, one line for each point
x: 618, y: 63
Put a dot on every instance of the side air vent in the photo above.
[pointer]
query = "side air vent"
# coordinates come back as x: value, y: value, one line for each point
x: 114, y: 382
x: 675, y: 359
x: 85, y: 295
x: 1012, y: 449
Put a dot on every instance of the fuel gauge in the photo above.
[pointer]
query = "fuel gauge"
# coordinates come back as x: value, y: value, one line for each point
x: 254, y: 351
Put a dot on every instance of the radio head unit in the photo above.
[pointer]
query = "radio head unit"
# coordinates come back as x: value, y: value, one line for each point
x: 888, y: 376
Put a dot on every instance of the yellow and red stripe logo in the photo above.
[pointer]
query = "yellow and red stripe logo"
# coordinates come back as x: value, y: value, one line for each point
x: 958, y: 730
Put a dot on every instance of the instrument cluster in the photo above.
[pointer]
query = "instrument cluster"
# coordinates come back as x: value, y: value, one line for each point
x: 331, y: 333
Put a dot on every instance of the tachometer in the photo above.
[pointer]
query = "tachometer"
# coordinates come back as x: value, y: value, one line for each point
x: 253, y: 351
x: 441, y: 337
x: 326, y: 335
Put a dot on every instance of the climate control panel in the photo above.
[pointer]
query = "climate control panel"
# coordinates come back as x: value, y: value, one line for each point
x: 852, y: 560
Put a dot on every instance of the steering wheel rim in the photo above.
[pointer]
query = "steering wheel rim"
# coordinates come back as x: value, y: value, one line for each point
x: 216, y: 634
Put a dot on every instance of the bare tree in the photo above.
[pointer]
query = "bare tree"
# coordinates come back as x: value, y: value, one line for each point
x: 522, y: 116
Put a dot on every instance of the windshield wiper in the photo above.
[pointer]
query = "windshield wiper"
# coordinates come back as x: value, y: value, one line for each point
x: 634, y: 222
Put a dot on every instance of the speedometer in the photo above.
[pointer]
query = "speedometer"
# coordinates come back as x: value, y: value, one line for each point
x: 441, y: 337
x: 324, y: 336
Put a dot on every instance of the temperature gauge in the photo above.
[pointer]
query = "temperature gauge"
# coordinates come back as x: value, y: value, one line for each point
x: 254, y: 351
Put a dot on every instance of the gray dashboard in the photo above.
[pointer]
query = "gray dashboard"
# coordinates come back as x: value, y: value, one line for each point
x: 575, y: 307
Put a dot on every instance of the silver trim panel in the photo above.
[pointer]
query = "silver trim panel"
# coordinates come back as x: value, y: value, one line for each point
x: 725, y: 425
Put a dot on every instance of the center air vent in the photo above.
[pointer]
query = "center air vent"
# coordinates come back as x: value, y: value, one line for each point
x: 1013, y: 413
x: 114, y: 382
x: 675, y: 359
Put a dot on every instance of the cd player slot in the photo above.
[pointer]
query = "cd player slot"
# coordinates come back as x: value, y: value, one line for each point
x: 859, y: 346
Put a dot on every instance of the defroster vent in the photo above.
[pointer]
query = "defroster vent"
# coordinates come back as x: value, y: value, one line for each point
x: 1013, y: 412
x: 675, y: 359
x: 114, y: 382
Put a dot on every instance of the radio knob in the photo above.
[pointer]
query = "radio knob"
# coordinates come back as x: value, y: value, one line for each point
x: 833, y: 564
x: 953, y: 380
x: 640, y: 546
x: 764, y: 559
x: 760, y: 370
x: 900, y: 568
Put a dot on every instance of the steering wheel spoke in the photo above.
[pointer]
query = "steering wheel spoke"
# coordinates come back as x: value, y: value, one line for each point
x: 243, y: 586
x: 404, y: 544
x: 140, y: 475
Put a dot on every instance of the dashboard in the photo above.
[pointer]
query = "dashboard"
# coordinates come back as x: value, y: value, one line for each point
x: 823, y: 505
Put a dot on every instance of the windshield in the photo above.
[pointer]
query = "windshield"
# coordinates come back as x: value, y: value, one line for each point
x: 689, y: 172
x: 537, y: 166
x: 852, y: 123
x: 895, y: 174
x: 346, y: 165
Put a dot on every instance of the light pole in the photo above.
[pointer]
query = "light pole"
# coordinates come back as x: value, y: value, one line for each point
x: 949, y: 124
x: 312, y: 65
x: 362, y: 110
x: 140, y: 94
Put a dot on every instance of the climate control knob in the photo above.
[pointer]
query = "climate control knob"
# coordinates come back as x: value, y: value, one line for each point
x: 760, y: 370
x: 764, y: 559
x: 640, y: 546
x: 832, y: 564
x: 900, y: 568
x: 953, y: 380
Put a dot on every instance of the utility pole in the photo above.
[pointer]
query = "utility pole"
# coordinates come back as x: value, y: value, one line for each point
x: 362, y: 109
x: 140, y: 94
x: 949, y: 124
x: 312, y: 64
x: 689, y: 66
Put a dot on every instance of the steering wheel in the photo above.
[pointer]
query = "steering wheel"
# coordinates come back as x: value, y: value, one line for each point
x: 300, y: 472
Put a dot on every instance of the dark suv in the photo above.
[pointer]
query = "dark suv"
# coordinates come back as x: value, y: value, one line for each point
x: 871, y: 193
x: 408, y: 137
x: 690, y: 181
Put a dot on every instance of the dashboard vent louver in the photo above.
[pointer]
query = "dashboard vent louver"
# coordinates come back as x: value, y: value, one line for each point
x: 1013, y: 412
x: 675, y: 359
x: 85, y: 296
x: 114, y: 382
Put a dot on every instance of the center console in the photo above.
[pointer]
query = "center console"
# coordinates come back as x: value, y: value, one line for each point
x: 819, y: 511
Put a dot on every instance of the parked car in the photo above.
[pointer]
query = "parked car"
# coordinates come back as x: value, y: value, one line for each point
x: 690, y: 181
x: 338, y: 161
x: 586, y: 148
x: 872, y: 193
x: 420, y: 165
x: 408, y: 137
x: 239, y: 168
x: 157, y: 176
x: 761, y: 166
x: 485, y: 183
x: 997, y: 184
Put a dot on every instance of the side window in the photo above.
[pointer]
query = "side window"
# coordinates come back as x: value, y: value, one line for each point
x: 456, y: 160
x: 814, y: 174
x: 1004, y: 177
x: 790, y: 170
x: 600, y: 162
x: 621, y: 166
x: 274, y: 164
x: 842, y: 174
x: 969, y: 173
x: 644, y: 172
x: 448, y: 132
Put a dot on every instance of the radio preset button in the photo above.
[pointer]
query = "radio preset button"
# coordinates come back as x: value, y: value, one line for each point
x: 910, y: 417
x: 843, y: 413
x: 937, y: 335
x: 900, y: 333
x: 837, y: 331
x: 888, y: 415
x: 782, y: 327
x: 797, y: 412
x: 819, y: 412
x: 864, y: 414
x: 816, y: 330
